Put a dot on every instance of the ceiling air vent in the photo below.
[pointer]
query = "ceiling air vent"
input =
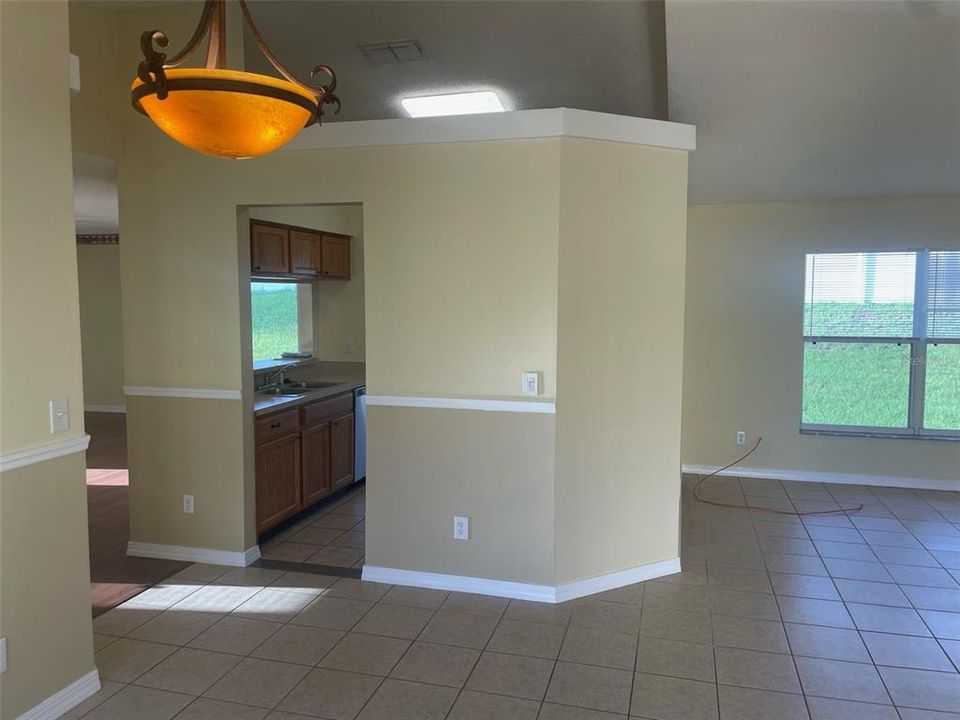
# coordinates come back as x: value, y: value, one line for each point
x: 395, y: 51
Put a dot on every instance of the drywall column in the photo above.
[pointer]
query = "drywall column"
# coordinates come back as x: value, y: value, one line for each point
x: 619, y: 359
x: 45, y: 586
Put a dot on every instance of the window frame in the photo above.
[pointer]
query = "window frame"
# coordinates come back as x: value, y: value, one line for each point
x: 306, y: 336
x: 919, y: 344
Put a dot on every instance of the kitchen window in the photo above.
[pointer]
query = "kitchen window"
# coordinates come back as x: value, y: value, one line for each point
x: 881, y: 345
x: 282, y: 318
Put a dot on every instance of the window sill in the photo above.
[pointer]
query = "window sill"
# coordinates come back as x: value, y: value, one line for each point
x: 265, y: 365
x: 881, y: 434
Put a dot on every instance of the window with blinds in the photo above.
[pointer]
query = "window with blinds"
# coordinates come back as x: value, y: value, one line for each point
x: 882, y: 343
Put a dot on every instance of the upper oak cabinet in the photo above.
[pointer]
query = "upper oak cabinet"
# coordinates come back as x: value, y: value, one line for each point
x: 269, y: 249
x: 304, y: 252
x: 298, y: 253
x: 335, y: 256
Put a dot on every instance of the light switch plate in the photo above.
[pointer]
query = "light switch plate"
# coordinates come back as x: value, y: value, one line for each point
x: 59, y: 415
x: 532, y: 383
x: 3, y: 654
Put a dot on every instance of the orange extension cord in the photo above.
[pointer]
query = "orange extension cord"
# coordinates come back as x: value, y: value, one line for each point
x: 740, y: 459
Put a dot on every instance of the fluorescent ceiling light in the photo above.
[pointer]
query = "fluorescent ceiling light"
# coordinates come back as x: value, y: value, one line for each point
x: 468, y: 103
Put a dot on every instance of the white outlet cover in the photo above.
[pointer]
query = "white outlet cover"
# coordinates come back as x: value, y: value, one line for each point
x: 461, y: 528
x: 3, y: 654
x: 532, y: 383
x: 741, y: 437
x: 188, y: 504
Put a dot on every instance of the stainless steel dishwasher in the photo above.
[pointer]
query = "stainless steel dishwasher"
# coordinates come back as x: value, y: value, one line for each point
x: 360, y: 437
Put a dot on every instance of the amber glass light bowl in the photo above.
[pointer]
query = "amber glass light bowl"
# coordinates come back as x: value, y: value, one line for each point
x: 227, y: 113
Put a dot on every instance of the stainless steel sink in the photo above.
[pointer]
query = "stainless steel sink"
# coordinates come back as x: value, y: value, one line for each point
x: 284, y: 391
x: 307, y: 385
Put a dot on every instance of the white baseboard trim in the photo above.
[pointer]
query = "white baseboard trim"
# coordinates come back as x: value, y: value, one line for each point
x: 610, y: 581
x: 193, y: 554
x: 105, y: 408
x: 545, y: 407
x: 66, y: 699
x: 41, y: 453
x: 522, y: 591
x: 825, y: 477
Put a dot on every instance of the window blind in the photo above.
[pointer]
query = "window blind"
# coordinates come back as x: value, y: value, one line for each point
x: 943, y: 295
x: 861, y: 295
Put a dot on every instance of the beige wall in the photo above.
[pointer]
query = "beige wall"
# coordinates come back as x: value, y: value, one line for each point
x: 743, y: 354
x: 428, y: 465
x: 337, y: 305
x: 45, y: 591
x: 619, y: 357
x: 101, y: 324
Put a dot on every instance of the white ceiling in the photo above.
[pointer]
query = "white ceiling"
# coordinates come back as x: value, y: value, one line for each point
x: 809, y: 100
x: 594, y: 55
x: 94, y: 195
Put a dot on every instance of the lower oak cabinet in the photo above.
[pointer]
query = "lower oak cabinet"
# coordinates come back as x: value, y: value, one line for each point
x: 302, y: 455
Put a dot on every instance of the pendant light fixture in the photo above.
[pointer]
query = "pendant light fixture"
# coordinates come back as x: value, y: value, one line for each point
x: 221, y: 112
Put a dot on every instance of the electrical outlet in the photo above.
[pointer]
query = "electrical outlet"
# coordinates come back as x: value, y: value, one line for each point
x: 59, y: 415
x: 741, y: 437
x: 349, y: 345
x: 188, y: 504
x: 3, y: 654
x: 461, y: 528
x: 532, y: 383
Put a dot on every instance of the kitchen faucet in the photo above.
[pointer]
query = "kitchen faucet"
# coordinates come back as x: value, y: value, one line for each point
x: 276, y: 376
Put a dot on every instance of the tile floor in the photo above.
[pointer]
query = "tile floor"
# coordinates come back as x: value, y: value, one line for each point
x: 773, y: 618
x: 334, y: 535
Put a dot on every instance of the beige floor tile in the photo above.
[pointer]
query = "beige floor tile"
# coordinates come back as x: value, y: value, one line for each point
x: 482, y: 706
x: 403, y: 700
x: 450, y: 628
x: 831, y: 709
x: 602, y: 615
x: 235, y: 635
x: 101, y: 641
x: 333, y: 613
x: 140, y: 703
x: 750, y: 634
x: 907, y: 652
x: 335, y: 522
x: 370, y: 654
x: 759, y: 670
x: 304, y: 582
x: 474, y: 604
x: 394, y: 621
x: 188, y: 671
x: 126, y: 660
x: 262, y: 683
x: 738, y: 703
x: 352, y: 539
x: 687, y: 598
x: 514, y: 675
x: 337, y: 556
x: 207, y: 709
x: 122, y: 620
x: 547, y: 613
x: 177, y: 627
x: 592, y: 646
x: 591, y: 687
x: 436, y: 664
x: 273, y: 605
x: 416, y: 597
x: 676, y: 625
x: 315, y: 536
x: 629, y: 594
x: 298, y: 644
x: 827, y: 642
x: 669, y: 698
x: 217, y: 598
x: 289, y: 552
x: 250, y: 577
x: 162, y: 596
x: 107, y: 690
x: 691, y: 661
x: 810, y: 611
x: 761, y: 606
x: 841, y: 680
x: 552, y: 711
x: 357, y: 589
x: 200, y: 572
x: 330, y: 694
x: 526, y: 638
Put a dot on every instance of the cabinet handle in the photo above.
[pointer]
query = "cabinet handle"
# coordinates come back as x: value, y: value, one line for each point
x: 276, y: 424
x: 256, y: 267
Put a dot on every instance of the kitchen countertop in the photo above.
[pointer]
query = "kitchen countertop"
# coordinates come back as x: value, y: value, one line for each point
x: 265, y: 404
x: 347, y: 376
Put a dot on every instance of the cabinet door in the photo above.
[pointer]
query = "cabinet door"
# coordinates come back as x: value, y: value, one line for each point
x: 315, y: 447
x: 278, y: 481
x: 304, y: 253
x: 341, y: 451
x: 335, y: 257
x: 269, y: 249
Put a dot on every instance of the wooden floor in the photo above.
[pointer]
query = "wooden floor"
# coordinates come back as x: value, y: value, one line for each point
x: 114, y: 577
